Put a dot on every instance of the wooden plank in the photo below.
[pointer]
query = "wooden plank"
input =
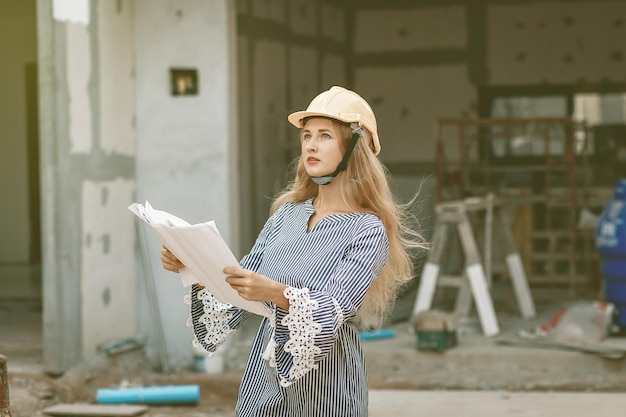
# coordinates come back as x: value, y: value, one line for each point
x: 463, y: 303
x: 550, y: 256
x: 450, y: 280
x: 520, y: 285
x: 95, y: 410
x: 477, y: 280
x: 427, y: 285
x: 555, y: 279
x: 551, y: 234
x: 520, y: 225
x: 482, y: 299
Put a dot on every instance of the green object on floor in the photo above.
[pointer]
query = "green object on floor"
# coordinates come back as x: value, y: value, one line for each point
x: 435, y: 340
x: 435, y: 330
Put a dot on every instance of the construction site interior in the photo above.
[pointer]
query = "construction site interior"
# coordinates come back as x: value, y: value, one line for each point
x: 552, y: 178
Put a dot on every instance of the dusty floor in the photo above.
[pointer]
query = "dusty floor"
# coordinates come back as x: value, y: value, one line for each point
x: 32, y: 392
x: 477, y: 363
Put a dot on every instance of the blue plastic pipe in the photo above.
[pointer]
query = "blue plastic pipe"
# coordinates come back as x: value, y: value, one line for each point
x: 380, y: 334
x: 171, y: 394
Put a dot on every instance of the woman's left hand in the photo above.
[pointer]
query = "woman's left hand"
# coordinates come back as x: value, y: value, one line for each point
x: 256, y: 287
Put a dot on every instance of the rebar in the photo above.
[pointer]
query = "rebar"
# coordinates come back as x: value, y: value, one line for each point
x: 5, y: 407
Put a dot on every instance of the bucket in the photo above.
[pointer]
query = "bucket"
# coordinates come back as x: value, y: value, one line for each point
x: 207, y: 363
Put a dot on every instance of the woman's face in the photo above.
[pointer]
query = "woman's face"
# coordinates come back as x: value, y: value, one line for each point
x: 321, y: 147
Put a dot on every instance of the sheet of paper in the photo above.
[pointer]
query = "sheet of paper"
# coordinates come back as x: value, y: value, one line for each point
x: 202, y: 250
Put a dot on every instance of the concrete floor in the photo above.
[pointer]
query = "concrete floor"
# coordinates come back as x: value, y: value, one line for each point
x: 479, y: 375
x: 400, y: 403
x: 483, y: 363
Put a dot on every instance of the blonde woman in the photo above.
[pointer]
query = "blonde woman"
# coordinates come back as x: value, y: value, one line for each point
x: 329, y: 260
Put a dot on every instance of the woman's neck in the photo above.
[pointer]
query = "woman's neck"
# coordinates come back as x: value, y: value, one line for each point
x: 329, y: 199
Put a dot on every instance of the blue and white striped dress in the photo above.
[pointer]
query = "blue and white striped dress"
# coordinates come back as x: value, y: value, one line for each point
x: 306, y: 361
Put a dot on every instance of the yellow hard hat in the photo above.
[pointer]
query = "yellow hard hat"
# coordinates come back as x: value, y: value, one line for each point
x: 340, y: 104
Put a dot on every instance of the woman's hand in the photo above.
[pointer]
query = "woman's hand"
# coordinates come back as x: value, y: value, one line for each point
x: 169, y: 261
x: 256, y: 287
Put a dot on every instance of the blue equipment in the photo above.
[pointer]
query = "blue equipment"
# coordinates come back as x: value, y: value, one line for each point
x: 610, y: 242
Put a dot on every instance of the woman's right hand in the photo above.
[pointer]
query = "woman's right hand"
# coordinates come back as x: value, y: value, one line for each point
x: 169, y: 261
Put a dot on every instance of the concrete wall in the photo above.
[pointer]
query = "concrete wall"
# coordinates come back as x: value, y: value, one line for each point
x: 108, y: 279
x: 410, y: 93
x: 105, y: 98
x: 288, y: 51
x: 185, y: 149
x: 87, y: 177
x: 414, y: 62
x: 414, y: 68
x: 19, y: 211
x: 548, y: 43
x: 409, y: 62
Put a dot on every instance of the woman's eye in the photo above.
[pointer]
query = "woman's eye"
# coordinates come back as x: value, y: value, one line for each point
x: 306, y: 137
x: 325, y: 136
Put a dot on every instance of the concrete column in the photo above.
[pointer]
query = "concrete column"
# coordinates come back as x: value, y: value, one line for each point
x: 186, y: 153
x: 86, y: 93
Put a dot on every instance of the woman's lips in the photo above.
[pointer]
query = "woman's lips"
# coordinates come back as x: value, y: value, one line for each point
x: 312, y: 160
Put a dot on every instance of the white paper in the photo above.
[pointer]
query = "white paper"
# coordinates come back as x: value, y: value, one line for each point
x: 202, y: 250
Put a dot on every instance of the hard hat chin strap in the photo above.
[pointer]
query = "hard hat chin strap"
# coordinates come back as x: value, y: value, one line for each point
x: 326, y: 179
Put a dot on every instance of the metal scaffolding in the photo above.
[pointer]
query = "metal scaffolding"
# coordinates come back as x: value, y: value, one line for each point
x: 536, y: 163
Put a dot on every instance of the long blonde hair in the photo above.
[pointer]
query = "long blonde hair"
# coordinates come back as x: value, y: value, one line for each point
x: 365, y: 186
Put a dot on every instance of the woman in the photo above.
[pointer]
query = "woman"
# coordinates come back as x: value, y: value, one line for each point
x: 329, y: 260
